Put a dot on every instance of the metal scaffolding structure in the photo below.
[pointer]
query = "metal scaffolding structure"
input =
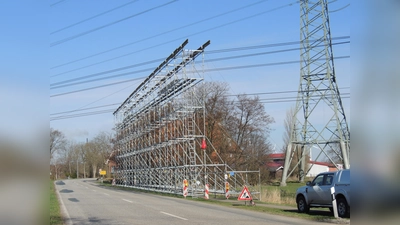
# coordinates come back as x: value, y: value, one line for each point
x: 318, y: 91
x: 160, y: 131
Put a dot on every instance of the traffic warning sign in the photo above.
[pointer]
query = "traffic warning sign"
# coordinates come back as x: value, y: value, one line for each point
x: 245, y: 195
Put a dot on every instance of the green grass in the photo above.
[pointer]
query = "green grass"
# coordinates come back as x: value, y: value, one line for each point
x: 291, y: 186
x: 55, y: 215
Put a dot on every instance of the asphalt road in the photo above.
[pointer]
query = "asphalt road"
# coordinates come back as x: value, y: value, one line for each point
x: 83, y: 202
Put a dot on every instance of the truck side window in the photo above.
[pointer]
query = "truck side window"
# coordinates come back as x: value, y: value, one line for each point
x: 329, y: 179
x: 318, y: 180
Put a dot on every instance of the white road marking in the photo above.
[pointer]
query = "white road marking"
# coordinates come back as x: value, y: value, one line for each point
x: 86, y: 187
x: 127, y: 201
x: 173, y: 216
x: 63, y: 209
x: 94, y: 190
x: 106, y: 194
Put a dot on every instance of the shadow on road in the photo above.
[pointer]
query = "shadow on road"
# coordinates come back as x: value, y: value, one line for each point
x: 60, y: 182
x: 73, y: 199
x: 92, y: 220
x: 312, y: 212
x: 66, y: 191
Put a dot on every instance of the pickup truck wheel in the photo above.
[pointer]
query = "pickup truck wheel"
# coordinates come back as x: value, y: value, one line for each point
x: 342, y: 208
x: 302, y: 206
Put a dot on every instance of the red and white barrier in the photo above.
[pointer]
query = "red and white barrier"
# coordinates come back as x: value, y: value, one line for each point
x: 226, y: 190
x: 185, y: 186
x: 207, y: 188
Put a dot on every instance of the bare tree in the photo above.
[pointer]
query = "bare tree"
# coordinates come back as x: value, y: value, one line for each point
x: 71, y: 159
x: 238, y: 129
x: 287, y: 124
x: 57, y: 141
x: 296, y: 151
x: 217, y: 110
x: 97, y: 151
x: 249, y: 120
x: 217, y: 106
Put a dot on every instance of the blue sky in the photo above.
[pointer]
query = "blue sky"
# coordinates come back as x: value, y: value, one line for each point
x: 86, y: 38
x: 24, y: 70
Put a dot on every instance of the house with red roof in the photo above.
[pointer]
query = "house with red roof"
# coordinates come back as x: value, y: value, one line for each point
x: 319, y: 167
x: 276, y: 163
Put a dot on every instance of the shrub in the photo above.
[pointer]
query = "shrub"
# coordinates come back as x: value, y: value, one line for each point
x: 107, y: 180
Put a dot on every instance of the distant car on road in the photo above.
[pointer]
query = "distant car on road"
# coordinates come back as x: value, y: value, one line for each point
x: 318, y: 192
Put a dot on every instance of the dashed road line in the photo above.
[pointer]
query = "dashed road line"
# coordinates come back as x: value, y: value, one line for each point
x: 168, y: 214
x: 127, y: 201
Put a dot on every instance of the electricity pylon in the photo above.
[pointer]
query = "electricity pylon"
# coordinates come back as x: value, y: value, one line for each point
x: 319, y: 119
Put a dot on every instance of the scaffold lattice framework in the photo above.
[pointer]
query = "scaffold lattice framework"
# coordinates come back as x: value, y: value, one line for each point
x: 160, y: 128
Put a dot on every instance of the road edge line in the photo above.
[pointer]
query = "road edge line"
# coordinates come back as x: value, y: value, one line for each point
x: 63, y: 210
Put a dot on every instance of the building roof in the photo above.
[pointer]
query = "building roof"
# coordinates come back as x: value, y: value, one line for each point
x: 273, y: 166
x: 277, y: 156
x: 322, y: 163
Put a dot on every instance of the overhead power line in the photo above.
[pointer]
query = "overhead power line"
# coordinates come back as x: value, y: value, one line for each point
x: 209, y: 60
x: 157, y: 35
x: 263, y: 101
x: 107, y: 71
x: 84, y: 109
x: 180, y: 38
x: 92, y: 17
x: 56, y: 3
x: 107, y: 25
x: 205, y: 70
x: 229, y: 95
x: 100, y: 86
x: 67, y: 83
x: 103, y: 78
x: 337, y: 10
x: 267, y: 45
x: 292, y: 100
x: 264, y: 53
x: 82, y: 114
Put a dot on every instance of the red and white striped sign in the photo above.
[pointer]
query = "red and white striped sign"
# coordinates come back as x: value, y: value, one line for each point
x: 185, y: 186
x: 226, y: 190
x: 207, y: 188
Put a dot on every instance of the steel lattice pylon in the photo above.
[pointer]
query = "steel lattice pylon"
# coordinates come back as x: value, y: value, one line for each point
x: 318, y: 95
x: 160, y: 128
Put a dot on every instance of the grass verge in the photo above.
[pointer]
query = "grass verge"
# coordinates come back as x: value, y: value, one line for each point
x: 55, y: 214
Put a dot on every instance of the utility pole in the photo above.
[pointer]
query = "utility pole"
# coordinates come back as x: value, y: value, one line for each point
x: 318, y: 91
x: 77, y: 171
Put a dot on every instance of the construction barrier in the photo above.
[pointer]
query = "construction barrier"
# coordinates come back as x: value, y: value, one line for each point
x: 185, y: 186
x: 226, y: 190
x: 207, y: 188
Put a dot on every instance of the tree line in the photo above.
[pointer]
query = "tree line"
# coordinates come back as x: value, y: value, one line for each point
x: 82, y: 160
